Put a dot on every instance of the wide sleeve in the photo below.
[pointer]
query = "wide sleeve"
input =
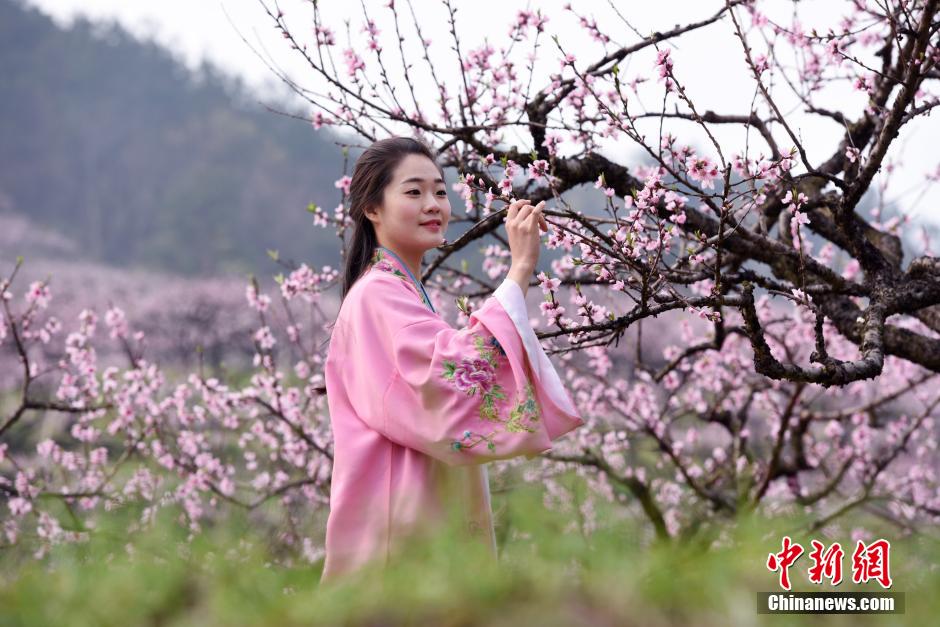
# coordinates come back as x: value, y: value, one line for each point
x: 510, y: 296
x: 462, y: 396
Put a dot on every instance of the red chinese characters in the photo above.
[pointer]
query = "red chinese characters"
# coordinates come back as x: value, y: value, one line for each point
x: 783, y: 560
x: 828, y: 564
x: 868, y: 562
x: 871, y: 562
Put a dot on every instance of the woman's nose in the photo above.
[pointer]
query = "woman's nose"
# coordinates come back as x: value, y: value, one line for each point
x: 435, y: 202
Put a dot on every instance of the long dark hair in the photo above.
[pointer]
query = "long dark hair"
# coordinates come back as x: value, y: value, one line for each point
x: 372, y: 174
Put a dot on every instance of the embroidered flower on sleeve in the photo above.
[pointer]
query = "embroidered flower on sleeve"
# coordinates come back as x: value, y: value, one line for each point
x: 495, y: 343
x: 520, y: 419
x: 478, y: 374
x: 473, y: 374
x: 524, y: 413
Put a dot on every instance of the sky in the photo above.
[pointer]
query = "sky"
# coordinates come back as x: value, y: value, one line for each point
x: 708, y: 62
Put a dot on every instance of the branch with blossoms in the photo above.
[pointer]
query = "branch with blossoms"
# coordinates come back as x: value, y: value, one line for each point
x: 806, y: 294
x: 81, y: 438
x: 731, y: 419
x: 697, y: 438
x: 748, y: 223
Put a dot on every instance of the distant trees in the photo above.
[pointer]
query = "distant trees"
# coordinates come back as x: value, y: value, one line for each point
x: 148, y: 164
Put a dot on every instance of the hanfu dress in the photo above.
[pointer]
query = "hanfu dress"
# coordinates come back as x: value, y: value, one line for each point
x: 418, y: 407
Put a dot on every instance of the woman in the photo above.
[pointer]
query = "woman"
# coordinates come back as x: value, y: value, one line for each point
x: 416, y: 406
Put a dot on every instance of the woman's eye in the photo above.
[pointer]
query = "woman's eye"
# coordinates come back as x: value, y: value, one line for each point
x: 441, y: 193
x: 413, y: 190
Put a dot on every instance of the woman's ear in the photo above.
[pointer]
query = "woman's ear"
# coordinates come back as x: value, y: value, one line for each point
x: 372, y: 215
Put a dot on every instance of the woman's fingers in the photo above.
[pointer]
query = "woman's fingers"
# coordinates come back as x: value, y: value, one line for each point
x: 514, y: 206
x: 521, y: 210
x: 537, y: 221
x: 526, y: 208
x: 524, y: 212
x: 539, y: 217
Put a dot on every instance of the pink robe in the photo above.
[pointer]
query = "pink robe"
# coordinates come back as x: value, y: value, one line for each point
x: 417, y: 407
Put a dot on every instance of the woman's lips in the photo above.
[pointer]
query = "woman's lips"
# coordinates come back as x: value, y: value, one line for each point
x: 434, y: 226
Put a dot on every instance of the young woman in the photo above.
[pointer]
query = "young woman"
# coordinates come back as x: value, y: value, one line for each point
x: 416, y: 406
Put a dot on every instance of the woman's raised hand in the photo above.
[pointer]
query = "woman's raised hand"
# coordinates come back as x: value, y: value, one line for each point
x: 523, y: 223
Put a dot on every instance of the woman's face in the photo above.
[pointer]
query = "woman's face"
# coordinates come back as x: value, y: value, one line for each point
x: 416, y: 195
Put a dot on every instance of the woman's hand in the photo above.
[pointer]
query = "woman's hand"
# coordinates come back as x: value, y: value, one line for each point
x: 523, y: 223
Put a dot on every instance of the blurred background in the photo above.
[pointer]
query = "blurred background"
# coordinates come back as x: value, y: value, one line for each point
x: 116, y: 153
x: 135, y: 176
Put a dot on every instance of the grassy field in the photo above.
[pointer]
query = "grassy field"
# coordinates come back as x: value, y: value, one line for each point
x: 544, y: 576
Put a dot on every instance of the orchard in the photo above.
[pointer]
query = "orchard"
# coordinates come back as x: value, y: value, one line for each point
x: 748, y: 323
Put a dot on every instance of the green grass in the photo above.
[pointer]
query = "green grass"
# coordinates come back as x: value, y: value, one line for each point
x: 544, y: 577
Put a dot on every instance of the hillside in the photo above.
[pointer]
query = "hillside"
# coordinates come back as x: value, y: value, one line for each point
x: 145, y: 164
